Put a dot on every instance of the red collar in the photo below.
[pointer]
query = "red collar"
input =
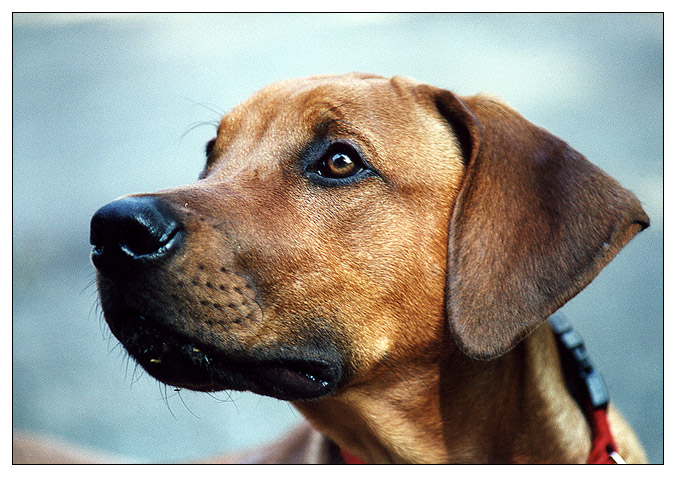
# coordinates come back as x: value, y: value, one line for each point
x: 604, y: 451
x: 585, y: 384
x: 349, y: 459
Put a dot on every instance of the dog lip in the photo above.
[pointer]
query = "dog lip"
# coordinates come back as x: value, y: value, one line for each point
x: 178, y: 360
x: 296, y: 379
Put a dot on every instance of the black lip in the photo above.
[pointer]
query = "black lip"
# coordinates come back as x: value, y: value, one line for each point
x: 180, y: 361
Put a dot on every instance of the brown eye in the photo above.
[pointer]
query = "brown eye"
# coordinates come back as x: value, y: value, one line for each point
x: 340, y: 162
x: 339, y: 166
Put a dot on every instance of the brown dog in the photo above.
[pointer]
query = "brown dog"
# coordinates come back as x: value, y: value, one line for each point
x: 383, y: 254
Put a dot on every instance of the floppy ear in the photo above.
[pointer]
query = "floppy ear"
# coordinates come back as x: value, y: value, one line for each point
x: 533, y: 224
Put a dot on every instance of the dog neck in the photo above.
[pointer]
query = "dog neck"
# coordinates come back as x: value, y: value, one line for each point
x: 514, y: 409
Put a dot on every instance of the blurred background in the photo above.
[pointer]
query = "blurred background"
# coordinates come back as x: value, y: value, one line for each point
x: 105, y: 105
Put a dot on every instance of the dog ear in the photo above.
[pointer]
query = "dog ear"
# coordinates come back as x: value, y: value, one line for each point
x: 533, y: 224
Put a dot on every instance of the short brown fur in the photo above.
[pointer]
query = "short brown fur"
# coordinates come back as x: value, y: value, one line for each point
x: 433, y: 279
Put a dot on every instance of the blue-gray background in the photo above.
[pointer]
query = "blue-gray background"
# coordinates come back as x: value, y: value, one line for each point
x: 105, y: 105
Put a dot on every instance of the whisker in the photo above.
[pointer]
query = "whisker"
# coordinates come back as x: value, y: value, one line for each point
x: 216, y: 109
x: 165, y: 397
x: 194, y: 126
x: 136, y: 376
x: 214, y: 123
x: 89, y: 284
x: 178, y: 393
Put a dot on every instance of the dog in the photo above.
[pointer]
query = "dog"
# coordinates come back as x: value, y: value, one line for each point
x: 384, y: 255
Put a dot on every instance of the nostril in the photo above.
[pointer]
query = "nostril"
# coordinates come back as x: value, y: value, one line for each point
x: 131, y: 231
x: 146, y: 233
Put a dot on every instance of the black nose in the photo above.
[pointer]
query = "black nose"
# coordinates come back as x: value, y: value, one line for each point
x: 133, y: 232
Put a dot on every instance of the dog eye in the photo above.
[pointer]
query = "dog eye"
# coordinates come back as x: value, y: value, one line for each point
x: 339, y: 162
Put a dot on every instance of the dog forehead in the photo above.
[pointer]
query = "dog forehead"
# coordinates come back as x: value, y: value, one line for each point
x: 308, y: 100
x: 327, y: 87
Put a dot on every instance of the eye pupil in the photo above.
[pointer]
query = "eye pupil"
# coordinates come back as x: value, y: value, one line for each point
x: 340, y: 165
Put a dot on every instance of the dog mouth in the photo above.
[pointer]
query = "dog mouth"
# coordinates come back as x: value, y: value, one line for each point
x: 181, y: 361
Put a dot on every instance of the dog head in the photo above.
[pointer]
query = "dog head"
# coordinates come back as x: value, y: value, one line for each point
x: 344, y: 222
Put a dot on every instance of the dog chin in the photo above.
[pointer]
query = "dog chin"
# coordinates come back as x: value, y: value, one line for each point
x: 183, y: 362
